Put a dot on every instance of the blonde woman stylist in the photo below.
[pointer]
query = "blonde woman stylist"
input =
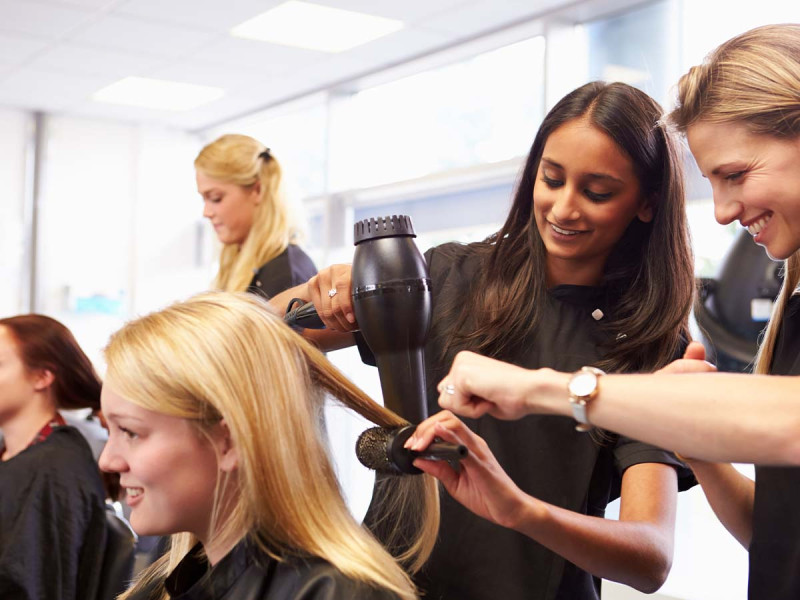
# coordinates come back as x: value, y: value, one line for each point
x: 240, y: 182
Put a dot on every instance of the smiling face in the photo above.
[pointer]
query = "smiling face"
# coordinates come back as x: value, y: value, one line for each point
x: 230, y: 207
x: 167, y: 468
x: 755, y: 180
x: 585, y: 196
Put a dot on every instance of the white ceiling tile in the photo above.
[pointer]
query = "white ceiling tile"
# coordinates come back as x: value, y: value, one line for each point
x: 474, y: 18
x: 135, y: 35
x: 398, y: 46
x: 204, y: 14
x: 42, y: 90
x: 261, y: 57
x: 15, y: 49
x: 94, y: 4
x: 228, y: 78
x: 86, y: 60
x: 408, y: 12
x: 40, y: 19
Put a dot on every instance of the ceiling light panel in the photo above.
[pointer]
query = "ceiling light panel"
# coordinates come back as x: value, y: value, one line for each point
x: 315, y: 27
x: 157, y: 93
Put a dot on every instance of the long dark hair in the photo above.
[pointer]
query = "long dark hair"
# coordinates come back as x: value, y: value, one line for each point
x: 44, y: 343
x: 650, y: 268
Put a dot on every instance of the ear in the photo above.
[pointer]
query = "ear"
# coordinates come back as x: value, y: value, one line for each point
x: 256, y: 191
x: 42, y: 379
x: 226, y: 450
x: 645, y: 212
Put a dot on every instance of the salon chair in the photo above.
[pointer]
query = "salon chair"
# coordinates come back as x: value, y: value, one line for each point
x: 732, y: 309
x: 118, y: 558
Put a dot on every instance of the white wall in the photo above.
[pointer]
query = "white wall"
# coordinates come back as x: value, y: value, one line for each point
x: 118, y: 225
x: 13, y: 268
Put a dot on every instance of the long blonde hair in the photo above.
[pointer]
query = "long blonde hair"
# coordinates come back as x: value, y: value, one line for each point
x: 754, y: 79
x: 227, y: 356
x: 244, y: 161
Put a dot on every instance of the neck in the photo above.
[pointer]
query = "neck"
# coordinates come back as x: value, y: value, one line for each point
x: 217, y: 549
x: 22, y: 428
x: 564, y: 272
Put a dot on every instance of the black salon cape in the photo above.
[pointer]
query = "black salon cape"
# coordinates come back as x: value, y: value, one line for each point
x: 290, y: 268
x: 775, y: 546
x: 246, y: 573
x: 474, y: 559
x: 52, y: 521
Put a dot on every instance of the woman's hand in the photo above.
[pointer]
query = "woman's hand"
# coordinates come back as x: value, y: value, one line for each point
x: 481, y: 485
x: 693, y: 361
x: 329, y: 290
x: 477, y: 385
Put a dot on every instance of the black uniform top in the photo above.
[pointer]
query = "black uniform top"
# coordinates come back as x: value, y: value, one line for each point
x: 473, y: 558
x: 290, y: 268
x: 246, y: 573
x: 775, y: 546
x: 52, y: 521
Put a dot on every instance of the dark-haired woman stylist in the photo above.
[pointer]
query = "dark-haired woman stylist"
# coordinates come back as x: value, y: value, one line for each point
x: 576, y: 276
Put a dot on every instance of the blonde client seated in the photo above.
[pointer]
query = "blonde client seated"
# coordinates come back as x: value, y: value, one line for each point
x: 214, y: 409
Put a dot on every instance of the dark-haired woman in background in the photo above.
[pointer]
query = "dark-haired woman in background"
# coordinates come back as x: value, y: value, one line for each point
x: 593, y: 266
x: 52, y: 501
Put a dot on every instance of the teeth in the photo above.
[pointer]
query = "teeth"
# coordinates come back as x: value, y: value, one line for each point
x: 564, y: 231
x: 756, y: 227
x: 134, y: 492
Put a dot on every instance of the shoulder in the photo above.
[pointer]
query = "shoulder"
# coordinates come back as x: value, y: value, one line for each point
x: 64, y: 458
x: 454, y: 260
x: 316, y: 579
x: 300, y: 262
x: 291, y: 267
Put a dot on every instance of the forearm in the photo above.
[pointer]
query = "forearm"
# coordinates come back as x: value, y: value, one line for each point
x: 718, y: 417
x: 326, y: 340
x: 638, y: 554
x: 730, y: 495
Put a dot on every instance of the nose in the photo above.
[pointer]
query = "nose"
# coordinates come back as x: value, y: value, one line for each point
x: 726, y: 210
x: 566, y: 205
x: 208, y: 210
x: 110, y: 461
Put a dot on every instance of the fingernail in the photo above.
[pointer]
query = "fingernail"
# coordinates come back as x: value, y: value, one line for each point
x: 351, y: 317
x: 409, y: 442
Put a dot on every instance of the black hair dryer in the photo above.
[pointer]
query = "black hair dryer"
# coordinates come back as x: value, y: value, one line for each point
x: 392, y: 302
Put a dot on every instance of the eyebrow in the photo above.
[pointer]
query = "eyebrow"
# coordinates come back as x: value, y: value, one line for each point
x: 553, y: 163
x: 118, y: 416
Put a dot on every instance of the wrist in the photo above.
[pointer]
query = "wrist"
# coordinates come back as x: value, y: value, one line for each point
x: 546, y: 394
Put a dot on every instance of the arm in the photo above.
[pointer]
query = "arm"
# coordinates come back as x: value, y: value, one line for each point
x: 719, y: 417
x: 730, y: 495
x: 336, y: 312
x: 636, y: 550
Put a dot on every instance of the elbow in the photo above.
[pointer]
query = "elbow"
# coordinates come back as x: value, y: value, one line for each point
x: 654, y: 574
x: 791, y: 451
x: 652, y: 582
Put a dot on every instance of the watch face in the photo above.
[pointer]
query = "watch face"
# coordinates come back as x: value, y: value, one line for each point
x: 582, y: 384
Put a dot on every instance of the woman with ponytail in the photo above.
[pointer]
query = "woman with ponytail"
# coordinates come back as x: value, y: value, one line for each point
x: 52, y: 501
x: 740, y: 112
x: 214, y: 406
x: 240, y: 182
